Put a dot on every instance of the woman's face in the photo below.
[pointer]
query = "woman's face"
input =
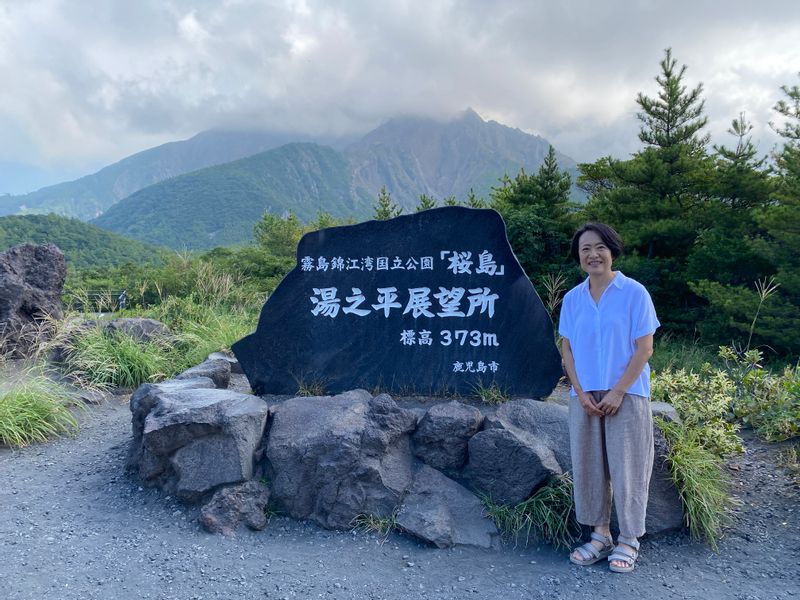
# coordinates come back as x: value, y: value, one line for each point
x: 595, y: 256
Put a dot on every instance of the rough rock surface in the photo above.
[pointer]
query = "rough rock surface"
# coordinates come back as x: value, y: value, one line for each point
x: 216, y: 369
x: 231, y: 505
x: 546, y: 421
x: 442, y: 512
x: 509, y: 465
x: 236, y: 368
x: 194, y: 440
x: 142, y: 330
x: 331, y: 459
x: 443, y: 433
x: 31, y: 283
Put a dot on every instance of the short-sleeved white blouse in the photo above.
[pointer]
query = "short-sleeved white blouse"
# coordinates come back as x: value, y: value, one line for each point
x: 602, y: 335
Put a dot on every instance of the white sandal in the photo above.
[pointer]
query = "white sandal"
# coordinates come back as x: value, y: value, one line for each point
x: 624, y: 555
x: 590, y: 553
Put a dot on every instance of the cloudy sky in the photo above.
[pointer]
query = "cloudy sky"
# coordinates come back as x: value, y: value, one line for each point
x: 86, y: 82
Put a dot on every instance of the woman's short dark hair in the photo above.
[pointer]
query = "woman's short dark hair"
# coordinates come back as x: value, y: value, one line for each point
x: 610, y: 238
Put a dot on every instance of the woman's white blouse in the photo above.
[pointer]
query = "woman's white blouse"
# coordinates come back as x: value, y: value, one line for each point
x: 603, y: 336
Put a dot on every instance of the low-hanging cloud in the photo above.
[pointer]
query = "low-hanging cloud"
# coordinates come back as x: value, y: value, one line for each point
x: 94, y: 81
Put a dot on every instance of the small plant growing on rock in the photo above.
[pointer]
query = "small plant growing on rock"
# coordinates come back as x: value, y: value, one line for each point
x: 490, y: 394
x: 367, y: 524
x: 549, y: 515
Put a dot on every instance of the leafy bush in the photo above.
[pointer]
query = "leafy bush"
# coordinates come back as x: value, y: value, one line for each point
x: 768, y: 402
x: 33, y: 409
x: 703, y: 402
x: 549, y: 514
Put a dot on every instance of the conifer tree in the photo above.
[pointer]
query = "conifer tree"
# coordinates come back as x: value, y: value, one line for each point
x: 385, y: 209
x: 425, y: 203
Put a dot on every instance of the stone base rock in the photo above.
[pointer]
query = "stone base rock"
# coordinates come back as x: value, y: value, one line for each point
x: 196, y: 439
x: 443, y: 433
x: 216, y: 369
x: 331, y: 459
x: 232, y: 505
x: 444, y: 513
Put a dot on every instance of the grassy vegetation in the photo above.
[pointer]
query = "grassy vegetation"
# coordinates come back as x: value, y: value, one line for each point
x: 490, y: 394
x: 381, y: 526
x: 33, y: 409
x: 701, y: 480
x: 548, y: 515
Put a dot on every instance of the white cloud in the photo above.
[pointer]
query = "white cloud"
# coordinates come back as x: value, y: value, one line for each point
x: 95, y: 81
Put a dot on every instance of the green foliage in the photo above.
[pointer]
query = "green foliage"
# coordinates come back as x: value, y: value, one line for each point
x: 278, y: 236
x: 425, y: 203
x: 538, y: 216
x: 701, y: 480
x: 671, y: 353
x: 768, y: 402
x: 84, y: 245
x: 703, y: 401
x: 217, y: 206
x: 549, y: 515
x: 97, y: 358
x: 384, y: 208
x: 382, y: 526
x: 34, y: 409
x: 491, y: 393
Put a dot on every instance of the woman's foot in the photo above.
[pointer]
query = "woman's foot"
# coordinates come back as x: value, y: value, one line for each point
x: 599, y: 546
x: 623, y: 559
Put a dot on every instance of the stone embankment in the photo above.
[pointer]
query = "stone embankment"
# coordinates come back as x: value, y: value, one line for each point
x: 331, y: 459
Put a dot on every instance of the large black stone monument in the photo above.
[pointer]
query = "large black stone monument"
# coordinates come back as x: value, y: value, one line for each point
x: 429, y: 303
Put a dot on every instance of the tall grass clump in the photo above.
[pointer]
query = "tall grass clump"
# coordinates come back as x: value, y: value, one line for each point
x: 549, y: 515
x: 99, y: 358
x: 703, y: 484
x: 34, y: 409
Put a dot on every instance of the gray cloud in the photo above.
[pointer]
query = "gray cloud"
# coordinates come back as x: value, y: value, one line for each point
x: 94, y: 81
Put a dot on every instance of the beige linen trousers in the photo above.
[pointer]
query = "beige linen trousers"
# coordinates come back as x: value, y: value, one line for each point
x: 612, y: 455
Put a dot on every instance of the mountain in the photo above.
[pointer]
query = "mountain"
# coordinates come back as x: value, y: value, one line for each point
x: 413, y: 156
x: 90, y: 196
x: 83, y: 244
x: 219, y: 205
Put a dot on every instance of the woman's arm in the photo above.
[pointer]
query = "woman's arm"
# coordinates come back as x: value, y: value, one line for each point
x: 586, y: 399
x: 610, y: 403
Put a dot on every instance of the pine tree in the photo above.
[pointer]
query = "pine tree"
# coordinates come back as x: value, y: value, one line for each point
x: 385, y: 209
x: 425, y: 203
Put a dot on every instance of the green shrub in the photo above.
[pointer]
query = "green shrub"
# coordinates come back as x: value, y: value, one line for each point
x: 33, y: 409
x: 771, y: 404
x: 703, y: 401
x: 549, y: 514
x: 701, y: 480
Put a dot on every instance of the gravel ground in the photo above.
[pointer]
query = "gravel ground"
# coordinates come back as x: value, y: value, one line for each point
x: 74, y: 526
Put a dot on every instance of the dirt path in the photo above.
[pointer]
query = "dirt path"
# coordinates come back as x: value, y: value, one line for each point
x: 73, y: 526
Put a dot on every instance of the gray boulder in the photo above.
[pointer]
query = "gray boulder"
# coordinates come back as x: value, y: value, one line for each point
x: 664, y: 505
x: 444, y: 513
x: 196, y: 439
x: 331, y: 459
x: 509, y: 464
x: 31, y: 283
x: 232, y: 505
x: 141, y: 330
x: 547, y: 421
x: 216, y: 369
x: 236, y: 368
x: 666, y: 411
x: 443, y: 433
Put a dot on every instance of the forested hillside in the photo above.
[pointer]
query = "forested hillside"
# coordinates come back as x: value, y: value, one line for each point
x: 83, y: 244
x: 218, y: 206
x: 90, y: 196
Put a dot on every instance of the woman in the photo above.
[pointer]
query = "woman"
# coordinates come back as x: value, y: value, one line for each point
x: 607, y: 324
